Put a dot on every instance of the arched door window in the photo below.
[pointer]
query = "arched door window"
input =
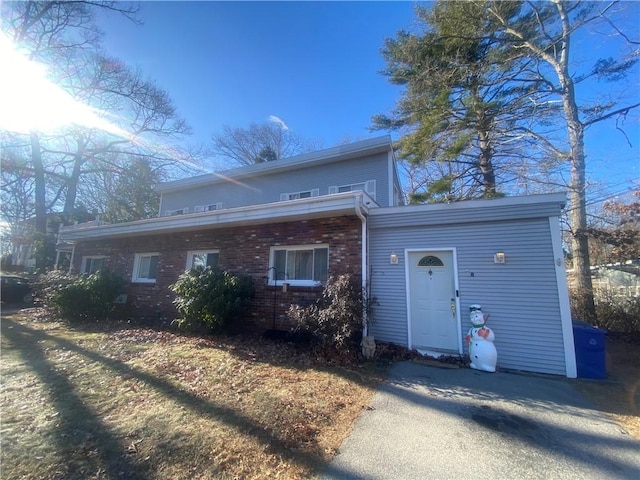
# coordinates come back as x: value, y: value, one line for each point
x: 430, y: 261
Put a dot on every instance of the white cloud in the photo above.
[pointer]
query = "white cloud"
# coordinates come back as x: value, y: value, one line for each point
x: 278, y: 121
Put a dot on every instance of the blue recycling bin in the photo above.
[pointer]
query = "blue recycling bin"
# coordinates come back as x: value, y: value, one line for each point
x: 590, y: 346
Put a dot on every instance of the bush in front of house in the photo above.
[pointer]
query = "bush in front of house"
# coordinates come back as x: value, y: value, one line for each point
x: 211, y: 298
x: 79, y: 298
x: 336, y: 318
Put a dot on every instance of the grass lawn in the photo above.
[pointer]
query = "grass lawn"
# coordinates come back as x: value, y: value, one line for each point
x: 138, y: 403
x: 135, y: 403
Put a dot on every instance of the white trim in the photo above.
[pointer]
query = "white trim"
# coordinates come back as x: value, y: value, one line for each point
x: 549, y: 198
x: 391, y: 186
x: 191, y: 253
x: 170, y: 213
x: 563, y: 296
x: 456, y: 286
x: 291, y: 210
x: 207, y: 208
x: 364, y: 254
x: 288, y: 248
x: 314, y: 192
x: 136, y: 266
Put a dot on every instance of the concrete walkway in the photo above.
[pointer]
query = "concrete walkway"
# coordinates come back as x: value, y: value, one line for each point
x: 439, y: 423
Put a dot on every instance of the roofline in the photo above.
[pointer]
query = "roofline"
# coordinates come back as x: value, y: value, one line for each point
x: 556, y: 198
x: 328, y: 155
x: 290, y: 210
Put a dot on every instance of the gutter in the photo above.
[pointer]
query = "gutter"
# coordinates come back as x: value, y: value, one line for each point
x: 365, y: 259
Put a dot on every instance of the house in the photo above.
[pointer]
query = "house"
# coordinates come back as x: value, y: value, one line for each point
x: 616, y: 280
x: 340, y: 210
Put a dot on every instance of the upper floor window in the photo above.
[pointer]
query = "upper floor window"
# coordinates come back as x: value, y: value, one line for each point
x: 302, y: 265
x: 202, y: 258
x: 208, y: 208
x: 296, y: 195
x: 368, y: 186
x: 145, y: 267
x: 91, y: 264
x: 179, y: 211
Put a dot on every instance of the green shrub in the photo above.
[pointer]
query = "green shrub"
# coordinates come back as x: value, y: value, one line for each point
x: 211, y: 298
x: 336, y: 318
x: 80, y: 297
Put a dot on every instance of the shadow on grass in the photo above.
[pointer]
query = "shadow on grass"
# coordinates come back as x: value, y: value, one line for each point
x: 79, y: 429
x: 286, y: 351
x: 79, y: 421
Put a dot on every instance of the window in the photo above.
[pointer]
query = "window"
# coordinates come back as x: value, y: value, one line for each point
x: 179, y: 211
x: 304, y: 265
x: 430, y: 261
x: 368, y: 186
x: 202, y: 258
x: 91, y: 265
x: 145, y: 267
x: 296, y: 195
x: 208, y: 208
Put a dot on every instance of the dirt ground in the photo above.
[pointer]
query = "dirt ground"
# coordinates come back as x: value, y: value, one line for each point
x: 619, y: 394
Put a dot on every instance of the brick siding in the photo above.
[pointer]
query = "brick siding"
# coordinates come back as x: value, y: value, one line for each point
x: 243, y: 250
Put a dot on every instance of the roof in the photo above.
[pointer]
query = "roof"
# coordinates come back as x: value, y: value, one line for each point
x: 328, y: 155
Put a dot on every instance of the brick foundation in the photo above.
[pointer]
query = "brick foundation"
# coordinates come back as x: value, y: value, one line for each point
x: 243, y: 250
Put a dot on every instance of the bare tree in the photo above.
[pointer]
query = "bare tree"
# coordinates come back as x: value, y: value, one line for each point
x: 258, y: 143
x: 135, y: 118
x: 544, y: 32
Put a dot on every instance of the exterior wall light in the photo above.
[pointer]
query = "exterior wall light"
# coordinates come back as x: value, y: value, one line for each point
x: 499, y: 257
x: 393, y: 258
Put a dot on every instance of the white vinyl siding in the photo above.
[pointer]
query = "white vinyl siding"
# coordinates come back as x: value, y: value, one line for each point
x: 92, y: 264
x: 301, y: 265
x: 145, y: 267
x: 202, y: 258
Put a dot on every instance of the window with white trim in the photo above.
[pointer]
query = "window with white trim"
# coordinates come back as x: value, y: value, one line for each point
x: 179, y: 211
x: 91, y: 264
x: 145, y: 267
x: 296, y: 195
x: 202, y: 258
x: 208, y: 208
x: 369, y: 186
x: 301, y: 265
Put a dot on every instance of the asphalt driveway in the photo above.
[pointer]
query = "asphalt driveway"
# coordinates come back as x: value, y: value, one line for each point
x: 438, y: 423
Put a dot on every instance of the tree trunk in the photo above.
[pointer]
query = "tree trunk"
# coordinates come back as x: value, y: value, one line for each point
x: 72, y: 181
x: 486, y: 166
x: 40, y: 200
x: 583, y: 294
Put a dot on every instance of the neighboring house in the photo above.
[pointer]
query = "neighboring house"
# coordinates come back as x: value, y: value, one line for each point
x: 618, y: 280
x: 300, y: 220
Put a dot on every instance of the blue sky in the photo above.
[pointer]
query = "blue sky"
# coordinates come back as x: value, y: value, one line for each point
x: 312, y: 64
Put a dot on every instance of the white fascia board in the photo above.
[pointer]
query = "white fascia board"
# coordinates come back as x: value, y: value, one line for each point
x: 546, y: 198
x: 291, y: 210
x: 341, y: 152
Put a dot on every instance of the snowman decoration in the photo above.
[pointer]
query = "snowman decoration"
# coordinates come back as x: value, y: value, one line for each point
x: 482, y: 351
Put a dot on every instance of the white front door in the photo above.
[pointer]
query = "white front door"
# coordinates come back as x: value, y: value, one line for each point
x: 432, y: 301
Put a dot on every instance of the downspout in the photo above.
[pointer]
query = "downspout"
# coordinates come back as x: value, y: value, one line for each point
x: 365, y: 258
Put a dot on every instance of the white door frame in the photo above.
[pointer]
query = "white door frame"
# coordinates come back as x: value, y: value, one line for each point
x: 455, y: 283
